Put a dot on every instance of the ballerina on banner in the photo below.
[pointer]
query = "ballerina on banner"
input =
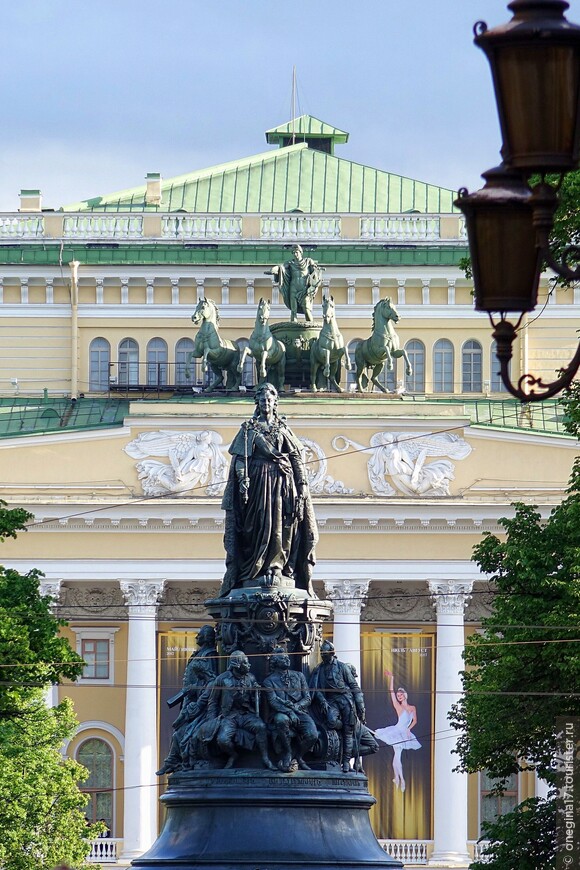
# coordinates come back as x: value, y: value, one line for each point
x: 399, y: 736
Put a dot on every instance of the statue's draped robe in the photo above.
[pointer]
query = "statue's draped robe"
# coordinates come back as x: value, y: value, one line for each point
x: 299, y: 278
x: 266, y: 533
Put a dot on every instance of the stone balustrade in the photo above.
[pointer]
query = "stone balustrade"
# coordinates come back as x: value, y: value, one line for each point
x: 179, y: 227
x: 104, y: 850
x: 291, y: 227
x: 410, y: 852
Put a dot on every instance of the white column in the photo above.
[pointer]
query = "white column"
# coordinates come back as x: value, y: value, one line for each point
x: 52, y: 588
x: 225, y: 291
x: 542, y: 788
x: 450, y: 792
x: 376, y: 290
x: 347, y: 597
x: 149, y: 290
x: 140, y: 820
x: 451, y: 291
x: 174, y: 291
x: 250, y: 291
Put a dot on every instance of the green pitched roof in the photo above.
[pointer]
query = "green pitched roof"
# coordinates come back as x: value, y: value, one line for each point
x: 294, y: 177
x: 305, y: 126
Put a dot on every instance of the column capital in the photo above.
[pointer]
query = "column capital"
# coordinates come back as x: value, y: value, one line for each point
x: 347, y: 596
x: 142, y: 593
x: 450, y: 597
x: 52, y: 588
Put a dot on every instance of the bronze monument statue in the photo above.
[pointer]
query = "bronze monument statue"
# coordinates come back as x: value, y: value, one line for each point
x: 299, y: 280
x: 228, y: 804
x: 219, y: 354
x: 234, y: 707
x: 270, y: 529
x: 288, y: 700
x: 327, y: 351
x: 380, y: 349
x: 267, y: 350
x: 340, y: 701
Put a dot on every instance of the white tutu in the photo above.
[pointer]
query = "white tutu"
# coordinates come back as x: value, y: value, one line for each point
x: 399, y: 734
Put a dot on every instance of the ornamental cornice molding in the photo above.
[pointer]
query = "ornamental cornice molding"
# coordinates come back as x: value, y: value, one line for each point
x: 96, y: 572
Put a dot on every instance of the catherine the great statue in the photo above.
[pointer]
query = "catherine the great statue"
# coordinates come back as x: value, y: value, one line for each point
x: 270, y: 529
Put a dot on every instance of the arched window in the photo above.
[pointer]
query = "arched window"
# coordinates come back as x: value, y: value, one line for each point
x: 157, y: 363
x: 97, y: 757
x: 128, y: 362
x: 99, y: 361
x: 185, y: 364
x: 471, y: 367
x: 443, y: 366
x: 249, y: 372
x: 497, y: 385
x: 416, y: 353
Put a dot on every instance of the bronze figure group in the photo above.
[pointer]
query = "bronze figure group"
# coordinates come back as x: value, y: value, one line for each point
x: 276, y: 349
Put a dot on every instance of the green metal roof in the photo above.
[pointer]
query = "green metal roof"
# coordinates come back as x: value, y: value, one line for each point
x: 295, y: 177
x: 158, y: 253
x: 30, y: 416
x: 305, y: 126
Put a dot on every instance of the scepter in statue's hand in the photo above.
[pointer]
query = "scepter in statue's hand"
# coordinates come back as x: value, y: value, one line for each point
x: 245, y: 482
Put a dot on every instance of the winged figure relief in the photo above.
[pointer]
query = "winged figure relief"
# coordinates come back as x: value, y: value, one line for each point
x: 406, y: 461
x: 194, y: 460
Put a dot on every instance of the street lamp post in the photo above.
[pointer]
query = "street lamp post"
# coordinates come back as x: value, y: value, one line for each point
x: 535, y: 66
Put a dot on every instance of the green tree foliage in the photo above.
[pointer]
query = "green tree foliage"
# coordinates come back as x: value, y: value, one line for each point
x: 523, y: 670
x: 42, y: 820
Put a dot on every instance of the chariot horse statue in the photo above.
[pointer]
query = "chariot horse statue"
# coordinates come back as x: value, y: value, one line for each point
x: 219, y: 354
x: 327, y: 351
x: 268, y: 351
x: 380, y: 349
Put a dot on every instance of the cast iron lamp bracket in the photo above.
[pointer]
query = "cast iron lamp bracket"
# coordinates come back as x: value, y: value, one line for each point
x: 535, y: 66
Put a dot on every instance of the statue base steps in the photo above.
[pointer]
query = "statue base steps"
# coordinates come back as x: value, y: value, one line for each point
x: 259, y: 820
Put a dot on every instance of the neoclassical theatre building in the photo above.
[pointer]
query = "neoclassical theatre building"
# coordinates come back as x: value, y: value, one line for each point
x: 108, y: 440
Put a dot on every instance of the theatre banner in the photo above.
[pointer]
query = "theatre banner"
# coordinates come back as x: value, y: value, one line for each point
x: 175, y: 648
x: 398, y: 683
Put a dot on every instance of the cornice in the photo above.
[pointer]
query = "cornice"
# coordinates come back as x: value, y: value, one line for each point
x: 211, y: 570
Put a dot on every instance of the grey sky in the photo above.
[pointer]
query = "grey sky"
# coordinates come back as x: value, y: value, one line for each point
x: 96, y: 93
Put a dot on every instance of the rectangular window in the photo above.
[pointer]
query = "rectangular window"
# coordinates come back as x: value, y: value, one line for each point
x: 494, y: 805
x: 96, y: 656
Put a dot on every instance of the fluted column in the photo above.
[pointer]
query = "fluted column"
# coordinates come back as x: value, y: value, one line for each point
x: 140, y: 819
x: 52, y: 588
x: 347, y: 597
x: 450, y: 793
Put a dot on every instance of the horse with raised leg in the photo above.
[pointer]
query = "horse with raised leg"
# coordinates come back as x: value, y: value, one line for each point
x: 327, y: 351
x: 268, y: 352
x: 219, y: 354
x: 380, y: 349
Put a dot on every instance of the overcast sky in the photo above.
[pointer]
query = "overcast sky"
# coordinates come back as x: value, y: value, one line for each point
x: 96, y: 93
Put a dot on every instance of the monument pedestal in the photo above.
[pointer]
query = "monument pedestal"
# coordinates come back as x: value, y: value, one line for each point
x: 242, y: 819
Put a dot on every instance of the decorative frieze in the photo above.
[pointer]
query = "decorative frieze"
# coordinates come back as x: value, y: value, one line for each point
x: 195, y: 462
x: 402, y: 458
x: 397, y: 602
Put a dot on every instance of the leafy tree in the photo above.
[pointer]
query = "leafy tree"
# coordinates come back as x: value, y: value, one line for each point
x: 42, y: 821
x: 523, y: 669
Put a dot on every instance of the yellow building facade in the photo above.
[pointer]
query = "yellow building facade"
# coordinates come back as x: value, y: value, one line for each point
x: 108, y: 439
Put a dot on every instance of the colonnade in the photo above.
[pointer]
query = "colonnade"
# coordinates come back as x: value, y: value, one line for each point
x: 348, y: 596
